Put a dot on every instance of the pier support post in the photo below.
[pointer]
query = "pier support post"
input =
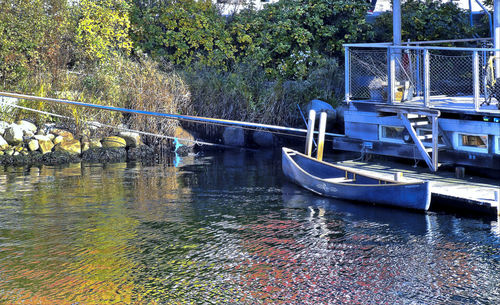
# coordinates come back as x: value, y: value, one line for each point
x: 321, y: 136
x: 475, y: 79
x: 310, y: 132
x: 398, y: 176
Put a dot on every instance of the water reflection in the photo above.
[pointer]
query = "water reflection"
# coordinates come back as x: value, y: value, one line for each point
x: 225, y: 228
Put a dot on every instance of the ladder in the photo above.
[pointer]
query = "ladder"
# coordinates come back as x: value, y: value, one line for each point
x: 427, y: 119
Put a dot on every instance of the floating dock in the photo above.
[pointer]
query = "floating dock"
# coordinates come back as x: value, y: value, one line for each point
x: 470, y: 194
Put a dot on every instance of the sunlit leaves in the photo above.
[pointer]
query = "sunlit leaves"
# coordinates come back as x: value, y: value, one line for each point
x: 102, y: 29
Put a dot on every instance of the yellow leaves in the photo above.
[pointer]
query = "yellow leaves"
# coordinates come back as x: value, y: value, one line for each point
x: 103, y: 29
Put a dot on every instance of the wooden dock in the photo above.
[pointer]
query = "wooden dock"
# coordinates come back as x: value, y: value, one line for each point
x: 469, y: 195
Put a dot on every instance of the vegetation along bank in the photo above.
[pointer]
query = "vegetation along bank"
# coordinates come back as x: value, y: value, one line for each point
x: 185, y: 57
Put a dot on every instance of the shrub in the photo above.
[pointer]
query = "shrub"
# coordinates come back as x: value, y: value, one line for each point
x: 426, y: 20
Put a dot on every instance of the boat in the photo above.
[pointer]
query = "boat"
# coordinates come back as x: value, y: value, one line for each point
x: 336, y: 181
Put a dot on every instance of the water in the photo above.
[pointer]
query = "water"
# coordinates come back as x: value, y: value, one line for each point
x: 226, y: 228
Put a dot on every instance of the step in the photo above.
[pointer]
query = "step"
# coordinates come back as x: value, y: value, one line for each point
x: 419, y: 122
x: 425, y: 137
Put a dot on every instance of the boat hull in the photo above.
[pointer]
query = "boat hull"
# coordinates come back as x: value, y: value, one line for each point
x: 314, y: 175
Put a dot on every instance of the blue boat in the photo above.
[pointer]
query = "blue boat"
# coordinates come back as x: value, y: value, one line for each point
x: 335, y: 181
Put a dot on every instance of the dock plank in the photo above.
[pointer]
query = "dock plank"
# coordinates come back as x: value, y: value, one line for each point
x: 473, y: 193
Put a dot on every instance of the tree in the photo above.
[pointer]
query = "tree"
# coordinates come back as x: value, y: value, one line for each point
x: 289, y: 36
x: 103, y: 29
x: 183, y: 31
x: 33, y: 38
x: 426, y: 20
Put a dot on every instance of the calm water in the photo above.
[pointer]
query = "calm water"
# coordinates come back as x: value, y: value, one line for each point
x: 226, y: 228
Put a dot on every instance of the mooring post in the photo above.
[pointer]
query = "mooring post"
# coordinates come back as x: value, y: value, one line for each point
x: 398, y: 176
x: 321, y: 135
x: 497, y: 200
x: 310, y: 132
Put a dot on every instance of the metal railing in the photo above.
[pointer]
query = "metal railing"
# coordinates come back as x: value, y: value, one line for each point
x: 422, y: 71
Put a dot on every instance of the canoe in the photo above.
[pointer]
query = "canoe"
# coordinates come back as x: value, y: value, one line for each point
x: 336, y: 181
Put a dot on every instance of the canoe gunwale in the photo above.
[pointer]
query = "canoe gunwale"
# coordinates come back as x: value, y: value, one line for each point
x: 287, y: 152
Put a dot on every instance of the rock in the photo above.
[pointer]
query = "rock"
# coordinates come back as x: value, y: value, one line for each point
x: 58, y: 140
x: 18, y: 148
x: 61, y: 132
x: 9, y: 152
x: 3, y: 144
x: 320, y: 106
x: 71, y: 146
x: 142, y: 152
x: 59, y: 157
x: 85, y: 145
x: 3, y: 126
x: 132, y: 139
x: 113, y: 142
x: 234, y: 136
x: 185, y: 137
x: 1, y: 153
x: 29, y: 129
x: 16, y: 153
x: 45, y: 144
x: 13, y: 134
x: 263, y: 139
x: 51, y: 136
x: 33, y: 145
x: 95, y: 143
x: 105, y: 155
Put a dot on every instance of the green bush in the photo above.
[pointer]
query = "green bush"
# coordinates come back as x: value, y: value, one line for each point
x: 426, y: 20
x: 290, y: 37
x: 183, y: 32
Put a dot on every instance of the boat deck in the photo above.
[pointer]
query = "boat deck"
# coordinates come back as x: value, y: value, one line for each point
x: 472, y: 194
x: 462, y: 104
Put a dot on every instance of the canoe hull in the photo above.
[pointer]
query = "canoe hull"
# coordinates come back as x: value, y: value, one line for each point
x: 313, y: 175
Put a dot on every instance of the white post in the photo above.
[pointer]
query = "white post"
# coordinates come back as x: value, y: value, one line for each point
x: 347, y: 75
x: 392, y: 75
x: 427, y: 82
x: 396, y: 22
x: 321, y: 136
x: 475, y: 79
x: 398, y: 176
x: 310, y: 132
x: 496, y: 35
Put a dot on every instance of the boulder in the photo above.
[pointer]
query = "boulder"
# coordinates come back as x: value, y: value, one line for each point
x: 184, y: 137
x: 51, y: 136
x: 3, y: 144
x: 320, y: 106
x: 45, y: 144
x: 95, y: 143
x: 234, y: 136
x: 3, y: 126
x: 58, y: 140
x: 13, y: 134
x: 132, y: 139
x: 113, y: 142
x: 85, y: 145
x: 33, y: 145
x: 61, y: 132
x: 29, y: 129
x: 71, y: 146
x: 263, y: 138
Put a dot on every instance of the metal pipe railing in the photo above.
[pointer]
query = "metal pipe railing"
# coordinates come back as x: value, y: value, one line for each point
x: 418, y: 69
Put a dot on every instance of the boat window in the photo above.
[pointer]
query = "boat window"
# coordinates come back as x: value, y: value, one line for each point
x: 472, y: 142
x: 391, y: 134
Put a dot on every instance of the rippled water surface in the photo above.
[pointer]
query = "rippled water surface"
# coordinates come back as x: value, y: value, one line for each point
x: 226, y: 228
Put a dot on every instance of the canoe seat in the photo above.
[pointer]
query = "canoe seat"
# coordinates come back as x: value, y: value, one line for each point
x: 339, y: 180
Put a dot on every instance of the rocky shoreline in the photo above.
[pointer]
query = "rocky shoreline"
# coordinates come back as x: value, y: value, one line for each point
x: 23, y: 143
